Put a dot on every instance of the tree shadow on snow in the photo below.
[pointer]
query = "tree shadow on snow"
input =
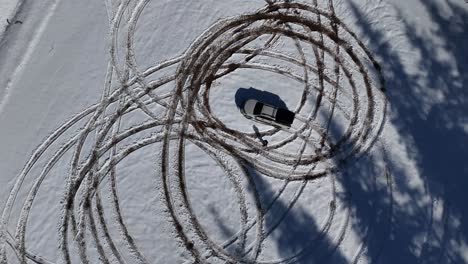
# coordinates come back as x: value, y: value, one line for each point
x: 421, y: 215
x: 431, y: 118
x: 292, y: 229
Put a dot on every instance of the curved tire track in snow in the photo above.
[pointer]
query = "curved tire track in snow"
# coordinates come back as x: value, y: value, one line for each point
x: 348, y: 82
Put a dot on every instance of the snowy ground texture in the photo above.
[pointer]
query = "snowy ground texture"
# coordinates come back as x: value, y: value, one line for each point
x: 122, y: 139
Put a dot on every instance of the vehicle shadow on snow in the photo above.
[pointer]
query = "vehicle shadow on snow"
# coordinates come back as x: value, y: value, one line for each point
x: 431, y: 119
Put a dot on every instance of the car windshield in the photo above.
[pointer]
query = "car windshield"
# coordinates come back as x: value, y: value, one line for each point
x: 258, y: 109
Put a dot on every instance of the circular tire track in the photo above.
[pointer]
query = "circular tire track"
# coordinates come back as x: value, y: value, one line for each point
x: 351, y: 86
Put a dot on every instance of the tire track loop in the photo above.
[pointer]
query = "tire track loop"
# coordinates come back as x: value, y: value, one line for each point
x: 336, y: 87
x: 92, y: 187
x: 322, y: 143
x: 301, y: 149
x: 96, y: 192
x: 194, y: 222
x: 73, y: 188
x: 105, y: 229
x: 28, y: 203
x: 198, y: 67
x: 336, y: 71
x: 210, y: 63
x: 123, y: 230
x: 38, y: 153
x: 123, y: 76
x: 84, y: 212
x: 319, y: 58
x: 32, y: 257
x: 80, y: 235
x: 235, y: 179
x: 299, y: 191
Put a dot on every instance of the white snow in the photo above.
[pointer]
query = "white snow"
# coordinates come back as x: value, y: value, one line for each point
x: 8, y: 9
x: 393, y: 193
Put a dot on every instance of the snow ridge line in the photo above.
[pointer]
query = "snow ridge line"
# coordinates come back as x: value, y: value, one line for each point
x: 14, y: 14
x: 27, y: 55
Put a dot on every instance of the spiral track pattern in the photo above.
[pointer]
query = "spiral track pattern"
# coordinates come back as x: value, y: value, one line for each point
x: 341, y: 81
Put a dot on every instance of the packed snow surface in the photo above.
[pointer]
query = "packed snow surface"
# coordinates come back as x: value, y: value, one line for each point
x: 123, y: 141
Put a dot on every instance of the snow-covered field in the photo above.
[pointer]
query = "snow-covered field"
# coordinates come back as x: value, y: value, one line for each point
x: 122, y: 139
